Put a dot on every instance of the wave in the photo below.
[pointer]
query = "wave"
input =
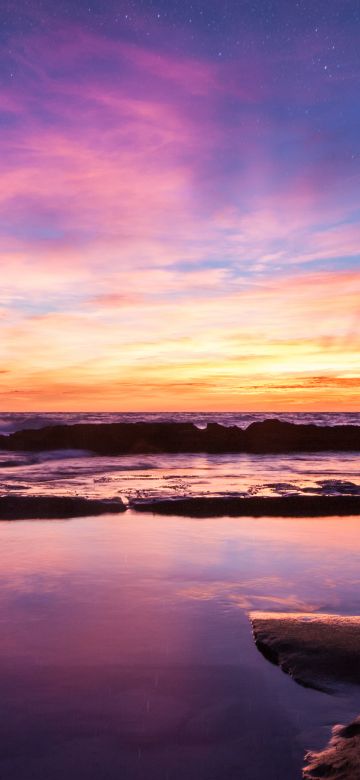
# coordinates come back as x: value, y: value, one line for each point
x: 166, y: 476
x: 14, y: 421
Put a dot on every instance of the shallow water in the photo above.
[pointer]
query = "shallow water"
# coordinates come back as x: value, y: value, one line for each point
x: 126, y: 648
x: 154, y: 476
x: 69, y: 472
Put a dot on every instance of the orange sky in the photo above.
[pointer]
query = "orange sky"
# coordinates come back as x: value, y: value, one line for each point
x: 204, y: 354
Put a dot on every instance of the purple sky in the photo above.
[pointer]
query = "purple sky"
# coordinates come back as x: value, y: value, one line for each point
x: 179, y: 204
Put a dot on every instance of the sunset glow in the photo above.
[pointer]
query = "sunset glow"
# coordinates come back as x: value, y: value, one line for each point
x: 179, y: 217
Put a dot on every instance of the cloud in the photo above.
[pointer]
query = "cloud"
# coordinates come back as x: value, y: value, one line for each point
x: 167, y: 222
x: 116, y: 351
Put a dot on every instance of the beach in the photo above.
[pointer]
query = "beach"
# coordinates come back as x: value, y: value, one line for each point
x: 127, y: 643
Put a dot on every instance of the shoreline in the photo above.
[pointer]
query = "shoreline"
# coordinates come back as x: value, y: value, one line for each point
x: 253, y: 506
x: 56, y: 507
x: 21, y: 507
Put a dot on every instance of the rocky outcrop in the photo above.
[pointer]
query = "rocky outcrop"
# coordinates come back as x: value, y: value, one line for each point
x: 318, y: 651
x: 131, y: 438
x: 279, y: 436
x: 322, y: 652
x: 252, y: 506
x: 340, y: 760
x: 51, y: 507
x: 109, y: 439
x: 14, y: 507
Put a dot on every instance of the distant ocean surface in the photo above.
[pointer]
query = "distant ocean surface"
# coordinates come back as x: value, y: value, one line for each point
x: 14, y: 421
x: 74, y: 472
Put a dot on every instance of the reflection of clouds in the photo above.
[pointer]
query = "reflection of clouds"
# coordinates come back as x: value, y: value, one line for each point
x: 185, y: 475
x: 241, y: 596
x: 290, y: 601
x: 18, y: 586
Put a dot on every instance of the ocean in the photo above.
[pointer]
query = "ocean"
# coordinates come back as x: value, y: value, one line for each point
x: 68, y: 472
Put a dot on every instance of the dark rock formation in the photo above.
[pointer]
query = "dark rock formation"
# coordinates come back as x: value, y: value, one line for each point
x: 126, y: 438
x: 318, y: 651
x: 254, y: 506
x: 279, y: 436
x: 51, y: 507
x: 340, y: 760
x: 109, y: 438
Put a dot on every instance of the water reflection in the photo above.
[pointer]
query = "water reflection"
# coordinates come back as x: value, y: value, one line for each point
x: 126, y: 649
x: 147, y: 476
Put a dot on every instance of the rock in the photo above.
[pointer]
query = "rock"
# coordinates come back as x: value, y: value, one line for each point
x: 279, y: 436
x: 109, y: 438
x: 51, y: 507
x: 253, y: 506
x: 143, y: 437
x: 340, y: 760
x: 318, y: 651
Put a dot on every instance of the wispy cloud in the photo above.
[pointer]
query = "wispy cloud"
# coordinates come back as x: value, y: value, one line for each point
x: 171, y: 221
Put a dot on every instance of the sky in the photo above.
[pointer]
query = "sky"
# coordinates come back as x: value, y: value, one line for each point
x: 179, y: 205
